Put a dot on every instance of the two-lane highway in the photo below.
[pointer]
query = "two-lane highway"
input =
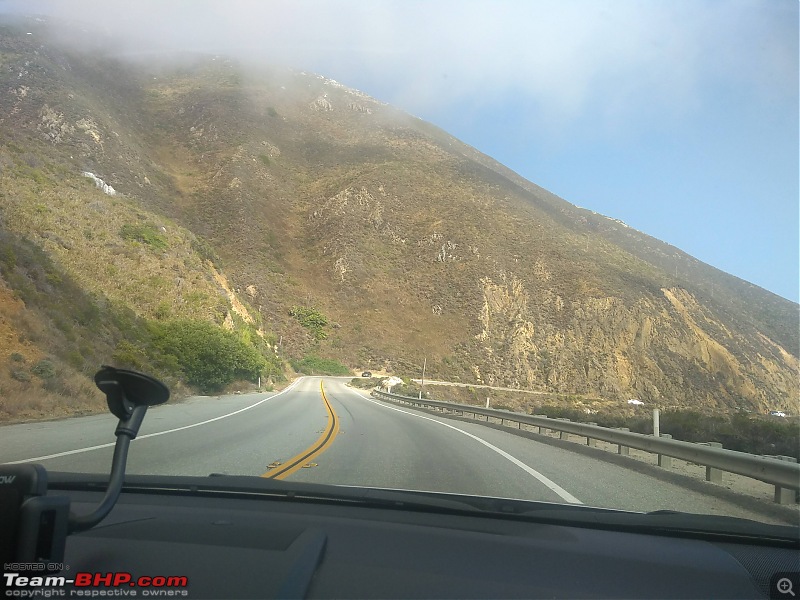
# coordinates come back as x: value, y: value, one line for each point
x: 320, y: 430
x: 381, y: 445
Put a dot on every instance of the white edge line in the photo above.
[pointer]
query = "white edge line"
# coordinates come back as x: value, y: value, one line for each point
x: 552, y: 485
x: 149, y: 435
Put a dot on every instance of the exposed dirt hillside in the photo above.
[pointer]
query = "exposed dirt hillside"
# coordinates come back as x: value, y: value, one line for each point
x: 302, y: 192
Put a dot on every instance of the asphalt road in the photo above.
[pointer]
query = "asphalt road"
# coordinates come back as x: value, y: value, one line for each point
x: 350, y: 439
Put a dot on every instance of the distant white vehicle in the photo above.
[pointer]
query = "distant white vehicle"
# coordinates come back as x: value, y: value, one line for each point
x: 777, y: 413
x: 635, y: 401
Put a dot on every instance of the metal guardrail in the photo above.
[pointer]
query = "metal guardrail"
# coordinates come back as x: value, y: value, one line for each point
x: 783, y: 474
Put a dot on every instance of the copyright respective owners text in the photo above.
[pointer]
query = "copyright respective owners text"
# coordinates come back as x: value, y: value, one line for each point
x: 37, y: 580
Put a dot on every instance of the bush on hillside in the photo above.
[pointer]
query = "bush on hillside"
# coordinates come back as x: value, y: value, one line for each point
x: 20, y: 375
x: 208, y: 356
x: 312, y: 319
x: 45, y: 369
x: 145, y: 234
x: 314, y: 365
x: 365, y: 383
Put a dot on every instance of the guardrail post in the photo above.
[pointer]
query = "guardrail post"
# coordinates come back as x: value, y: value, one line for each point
x: 656, y: 423
x: 713, y: 475
x: 591, y: 441
x: 623, y: 450
x: 663, y: 460
x: 538, y: 428
x: 785, y: 495
x: 563, y: 434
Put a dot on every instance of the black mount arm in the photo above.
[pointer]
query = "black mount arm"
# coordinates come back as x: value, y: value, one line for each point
x: 128, y: 394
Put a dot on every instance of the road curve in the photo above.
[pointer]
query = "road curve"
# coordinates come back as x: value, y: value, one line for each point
x: 374, y: 444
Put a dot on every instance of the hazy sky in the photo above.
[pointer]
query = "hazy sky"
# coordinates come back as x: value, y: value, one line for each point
x: 678, y: 117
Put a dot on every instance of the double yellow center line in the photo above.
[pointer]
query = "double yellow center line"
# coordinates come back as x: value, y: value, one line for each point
x: 298, y: 461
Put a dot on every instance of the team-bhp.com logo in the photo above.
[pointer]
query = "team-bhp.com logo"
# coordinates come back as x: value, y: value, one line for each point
x: 83, y: 584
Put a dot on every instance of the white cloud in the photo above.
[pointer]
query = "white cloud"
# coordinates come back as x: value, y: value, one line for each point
x: 615, y: 56
x: 696, y: 94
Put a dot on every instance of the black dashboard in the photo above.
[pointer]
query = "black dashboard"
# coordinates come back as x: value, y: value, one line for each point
x: 303, y: 544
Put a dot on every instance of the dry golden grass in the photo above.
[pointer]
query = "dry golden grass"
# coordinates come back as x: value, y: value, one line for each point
x: 14, y: 324
x: 73, y: 395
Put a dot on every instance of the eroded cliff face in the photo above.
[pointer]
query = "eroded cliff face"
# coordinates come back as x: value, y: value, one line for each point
x: 665, y: 349
x: 553, y: 323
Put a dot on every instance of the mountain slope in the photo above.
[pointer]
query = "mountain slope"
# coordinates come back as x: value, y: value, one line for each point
x: 307, y: 193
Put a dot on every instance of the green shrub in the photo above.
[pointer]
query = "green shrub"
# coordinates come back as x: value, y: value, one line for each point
x: 87, y: 313
x: 409, y: 389
x: 20, y: 375
x: 17, y: 357
x: 365, y: 383
x: 248, y: 334
x: 162, y: 311
x: 314, y: 365
x: 144, y: 233
x: 36, y: 174
x: 312, y: 319
x: 44, y: 369
x: 208, y: 356
x: 8, y: 257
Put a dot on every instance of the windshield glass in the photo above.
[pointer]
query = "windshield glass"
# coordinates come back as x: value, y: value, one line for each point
x: 578, y: 219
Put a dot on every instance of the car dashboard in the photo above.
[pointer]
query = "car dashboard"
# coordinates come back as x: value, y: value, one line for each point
x: 310, y: 541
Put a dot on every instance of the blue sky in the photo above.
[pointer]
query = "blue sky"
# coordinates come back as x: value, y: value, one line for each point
x: 679, y: 117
